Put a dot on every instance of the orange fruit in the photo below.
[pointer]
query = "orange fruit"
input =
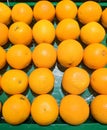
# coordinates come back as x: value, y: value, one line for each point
x: 14, y: 81
x: 69, y: 53
x: 99, y: 80
x: 95, y: 56
x: 104, y: 18
x: 22, y: 12
x: 19, y: 56
x: 44, y: 109
x: 2, y: 57
x: 44, y: 55
x: 43, y: 31
x: 3, y: 34
x: 5, y: 13
x: 92, y: 32
x: 67, y: 29
x: 75, y: 80
x: 89, y: 11
x: 99, y: 108
x: 74, y: 109
x: 0, y: 107
x: 20, y: 33
x: 16, y: 109
x: 44, y: 10
x: 66, y: 9
x: 41, y: 80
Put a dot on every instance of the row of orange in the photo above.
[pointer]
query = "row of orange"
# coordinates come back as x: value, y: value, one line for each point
x: 87, y: 12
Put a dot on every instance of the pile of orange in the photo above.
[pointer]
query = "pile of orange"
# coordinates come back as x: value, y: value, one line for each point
x: 43, y: 26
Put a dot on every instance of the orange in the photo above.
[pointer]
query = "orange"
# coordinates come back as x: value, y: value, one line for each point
x: 16, y: 109
x: 89, y: 11
x: 43, y: 31
x: 20, y: 33
x: 69, y: 53
x: 74, y: 109
x: 3, y: 34
x: 5, y: 13
x: 104, y: 18
x: 19, y: 56
x: 44, y: 10
x: 67, y: 29
x: 75, y: 80
x: 99, y: 80
x: 95, y: 56
x: 41, y: 80
x: 2, y: 57
x: 44, y: 55
x: 22, y: 12
x: 92, y: 32
x: 44, y: 109
x: 99, y: 108
x: 66, y: 9
x: 14, y: 81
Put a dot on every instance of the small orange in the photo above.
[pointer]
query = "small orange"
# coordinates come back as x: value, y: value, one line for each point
x: 0, y: 107
x: 69, y: 53
x: 44, y: 10
x: 74, y: 109
x: 3, y: 34
x: 89, y: 11
x: 44, y: 109
x: 75, y: 80
x: 5, y: 13
x: 16, y: 109
x: 20, y: 33
x: 44, y: 55
x: 66, y: 9
x: 95, y: 56
x: 92, y: 32
x: 2, y: 57
x: 22, y: 12
x: 67, y: 29
x: 43, y: 31
x: 41, y: 80
x: 98, y: 108
x: 14, y: 81
x: 104, y: 18
x: 99, y: 80
x: 19, y: 56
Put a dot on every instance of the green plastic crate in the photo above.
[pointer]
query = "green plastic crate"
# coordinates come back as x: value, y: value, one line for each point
x: 57, y: 92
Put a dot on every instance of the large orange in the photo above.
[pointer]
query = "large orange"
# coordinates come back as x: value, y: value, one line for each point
x: 69, y: 53
x: 44, y: 10
x: 99, y: 80
x: 22, y: 12
x: 20, y: 33
x: 16, y: 109
x: 41, y: 80
x: 3, y: 34
x: 44, y: 55
x: 43, y: 31
x: 2, y: 57
x: 14, y: 81
x: 67, y: 29
x: 75, y: 80
x: 89, y: 11
x: 74, y: 109
x: 44, y: 109
x: 104, y: 18
x: 92, y: 32
x: 99, y: 108
x: 66, y: 9
x: 19, y: 56
x: 5, y: 13
x: 95, y: 56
